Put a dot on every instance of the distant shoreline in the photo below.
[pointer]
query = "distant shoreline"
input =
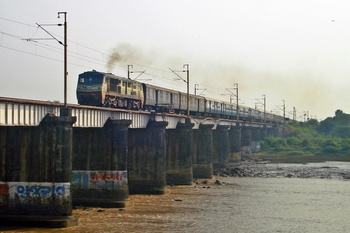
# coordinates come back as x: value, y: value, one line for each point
x: 300, y: 159
x: 316, y: 167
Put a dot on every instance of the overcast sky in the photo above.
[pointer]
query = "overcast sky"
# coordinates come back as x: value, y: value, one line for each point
x: 296, y: 52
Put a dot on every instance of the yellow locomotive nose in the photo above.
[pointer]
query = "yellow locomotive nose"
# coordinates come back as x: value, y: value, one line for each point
x: 105, y: 89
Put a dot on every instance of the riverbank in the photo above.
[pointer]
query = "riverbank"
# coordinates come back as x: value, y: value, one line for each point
x: 296, y: 158
x: 183, y: 208
x: 287, y: 166
x: 235, y: 205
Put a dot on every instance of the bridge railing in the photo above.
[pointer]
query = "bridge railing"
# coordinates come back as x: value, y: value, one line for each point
x: 19, y: 112
x: 24, y: 114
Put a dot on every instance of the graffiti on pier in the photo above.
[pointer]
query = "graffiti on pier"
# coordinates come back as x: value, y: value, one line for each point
x: 25, y: 190
x: 38, y: 198
x: 99, y: 179
x: 4, y: 189
x: 4, y: 192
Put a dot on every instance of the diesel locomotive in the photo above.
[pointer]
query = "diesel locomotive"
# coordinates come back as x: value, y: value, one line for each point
x: 108, y: 90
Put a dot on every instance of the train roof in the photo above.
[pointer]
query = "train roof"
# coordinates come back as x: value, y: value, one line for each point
x: 160, y: 88
x: 193, y: 96
x: 173, y: 91
x: 95, y: 71
x: 109, y: 74
x: 211, y: 99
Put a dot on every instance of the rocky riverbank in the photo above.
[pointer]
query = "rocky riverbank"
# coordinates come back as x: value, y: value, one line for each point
x: 264, y: 168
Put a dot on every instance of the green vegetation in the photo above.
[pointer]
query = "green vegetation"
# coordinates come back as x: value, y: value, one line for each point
x: 311, y: 141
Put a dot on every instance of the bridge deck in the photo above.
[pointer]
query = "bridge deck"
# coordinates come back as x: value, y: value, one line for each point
x: 23, y: 112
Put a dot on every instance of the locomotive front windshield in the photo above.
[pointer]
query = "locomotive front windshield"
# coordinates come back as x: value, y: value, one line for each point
x: 91, y: 79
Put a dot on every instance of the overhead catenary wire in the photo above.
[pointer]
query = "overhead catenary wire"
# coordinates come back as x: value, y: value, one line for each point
x: 78, y: 44
x: 75, y: 55
x: 21, y: 51
x: 82, y: 58
x: 17, y: 22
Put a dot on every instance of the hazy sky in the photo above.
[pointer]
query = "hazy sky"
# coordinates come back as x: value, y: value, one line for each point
x: 293, y: 51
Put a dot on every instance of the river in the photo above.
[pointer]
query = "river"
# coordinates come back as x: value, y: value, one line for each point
x: 239, y: 205
x: 275, y: 205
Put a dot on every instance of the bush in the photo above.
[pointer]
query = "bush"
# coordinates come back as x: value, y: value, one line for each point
x: 305, y: 143
x: 331, y: 137
x: 330, y: 150
x: 293, y: 141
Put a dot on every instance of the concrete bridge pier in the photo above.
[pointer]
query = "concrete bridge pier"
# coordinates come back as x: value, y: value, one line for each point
x: 220, y: 146
x: 256, y: 137
x: 147, y: 159
x: 235, y: 138
x: 280, y: 131
x: 246, y: 136
x: 271, y: 132
x: 179, y: 154
x: 35, y: 174
x: 235, y: 142
x: 203, y: 151
x: 263, y: 133
x: 100, y: 165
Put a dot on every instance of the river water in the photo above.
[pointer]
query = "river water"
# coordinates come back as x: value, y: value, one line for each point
x: 240, y: 205
x: 274, y: 205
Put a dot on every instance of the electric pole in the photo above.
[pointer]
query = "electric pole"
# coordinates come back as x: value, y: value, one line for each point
x: 264, y: 104
x: 235, y: 85
x: 65, y: 57
x: 264, y: 98
x: 129, y: 66
x: 187, y: 81
x: 294, y: 114
x: 187, y: 66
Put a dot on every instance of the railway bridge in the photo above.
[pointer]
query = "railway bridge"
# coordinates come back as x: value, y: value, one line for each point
x: 96, y: 156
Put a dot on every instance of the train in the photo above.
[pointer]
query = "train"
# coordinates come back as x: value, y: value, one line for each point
x: 102, y: 89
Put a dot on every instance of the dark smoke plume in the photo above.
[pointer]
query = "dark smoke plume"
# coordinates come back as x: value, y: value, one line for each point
x: 126, y: 54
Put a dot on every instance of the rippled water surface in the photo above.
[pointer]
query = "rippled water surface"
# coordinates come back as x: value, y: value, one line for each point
x: 275, y: 205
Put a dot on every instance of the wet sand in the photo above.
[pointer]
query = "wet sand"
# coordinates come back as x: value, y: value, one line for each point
x: 143, y: 213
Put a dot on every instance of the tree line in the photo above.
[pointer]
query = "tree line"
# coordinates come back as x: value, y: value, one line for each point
x: 330, y: 138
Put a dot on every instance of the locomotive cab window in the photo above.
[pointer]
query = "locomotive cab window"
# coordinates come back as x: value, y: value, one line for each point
x: 91, y: 79
x: 113, y: 84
